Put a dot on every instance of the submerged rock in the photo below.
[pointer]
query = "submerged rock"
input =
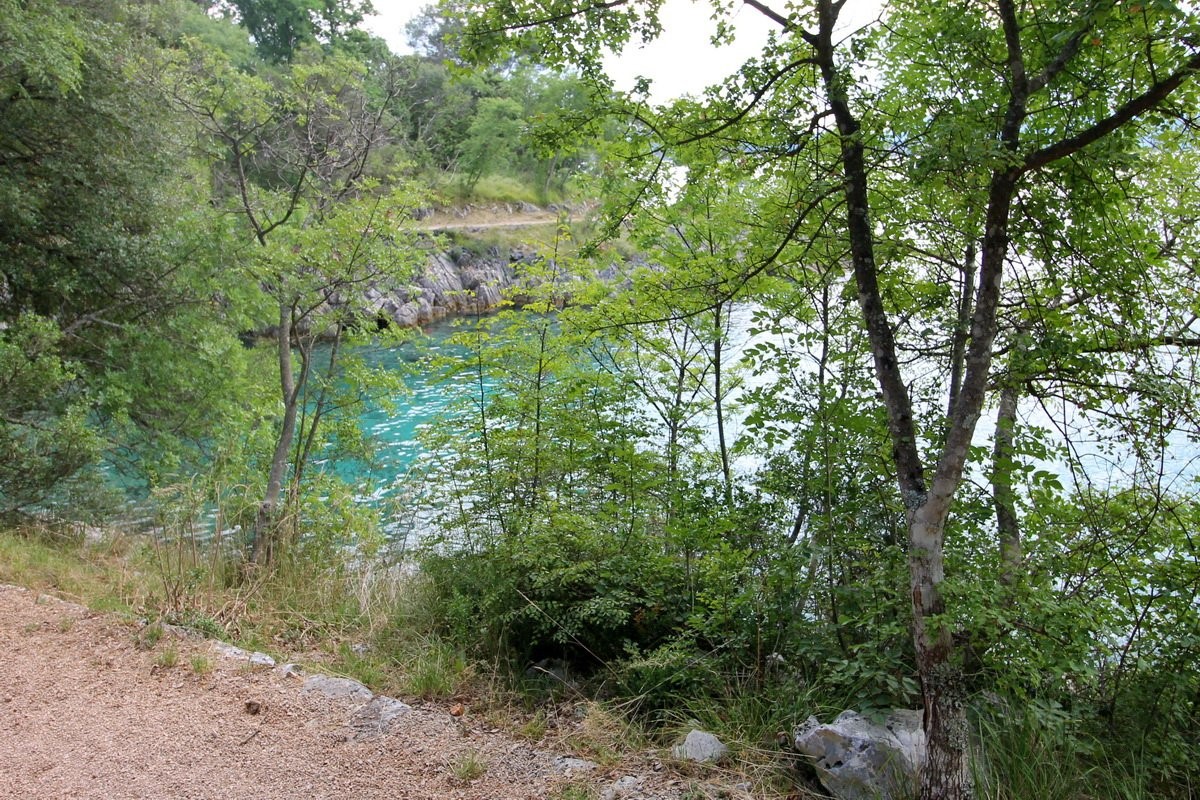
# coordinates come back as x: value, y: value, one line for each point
x: 859, y: 759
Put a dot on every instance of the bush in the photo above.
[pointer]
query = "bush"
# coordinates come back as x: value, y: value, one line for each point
x: 561, y: 592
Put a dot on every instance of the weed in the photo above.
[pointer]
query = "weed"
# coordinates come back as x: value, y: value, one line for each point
x: 65, y: 624
x: 195, y: 620
x: 365, y: 666
x: 201, y: 665
x: 148, y: 636
x: 535, y: 728
x: 574, y: 791
x: 602, y: 735
x: 1023, y: 756
x: 469, y: 766
x: 487, y: 189
x: 437, y: 672
x: 98, y: 575
x: 167, y: 658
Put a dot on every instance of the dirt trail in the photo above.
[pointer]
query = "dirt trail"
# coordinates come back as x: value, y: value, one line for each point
x: 85, y: 713
x: 491, y: 217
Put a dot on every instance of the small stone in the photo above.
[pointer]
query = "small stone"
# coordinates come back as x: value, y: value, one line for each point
x: 622, y: 788
x: 701, y: 747
x: 226, y: 650
x: 261, y: 660
x: 180, y: 632
x: 377, y: 717
x: 337, y: 688
x: 457, y: 710
x: 568, y: 764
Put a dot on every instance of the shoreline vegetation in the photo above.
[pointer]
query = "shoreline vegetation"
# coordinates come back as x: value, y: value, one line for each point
x: 923, y: 236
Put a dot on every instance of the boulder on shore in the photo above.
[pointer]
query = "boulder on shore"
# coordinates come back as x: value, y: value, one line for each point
x: 857, y: 758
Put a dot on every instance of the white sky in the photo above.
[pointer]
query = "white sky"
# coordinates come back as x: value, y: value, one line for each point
x: 681, y: 61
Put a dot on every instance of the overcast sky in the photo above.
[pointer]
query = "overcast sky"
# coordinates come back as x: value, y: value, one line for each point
x: 681, y: 61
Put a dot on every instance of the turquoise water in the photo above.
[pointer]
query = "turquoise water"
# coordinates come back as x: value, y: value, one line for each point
x: 437, y: 382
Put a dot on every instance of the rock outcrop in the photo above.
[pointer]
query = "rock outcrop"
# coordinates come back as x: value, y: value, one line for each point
x: 859, y: 759
x: 457, y: 282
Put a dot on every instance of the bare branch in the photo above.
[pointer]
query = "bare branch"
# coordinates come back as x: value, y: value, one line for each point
x: 771, y: 14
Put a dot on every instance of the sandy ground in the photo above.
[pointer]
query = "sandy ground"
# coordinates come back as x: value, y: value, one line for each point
x: 85, y: 713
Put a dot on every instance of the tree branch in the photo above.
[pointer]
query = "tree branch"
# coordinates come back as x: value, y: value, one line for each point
x: 1051, y: 70
x: 553, y: 18
x: 1183, y: 342
x: 754, y: 100
x: 771, y: 14
x: 1139, y: 105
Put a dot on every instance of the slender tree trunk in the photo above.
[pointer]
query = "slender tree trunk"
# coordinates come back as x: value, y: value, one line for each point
x: 266, y: 522
x: 1003, y: 496
x: 309, y: 431
x: 718, y: 400
x: 539, y: 387
x: 946, y: 774
x: 962, y: 327
x: 674, y: 420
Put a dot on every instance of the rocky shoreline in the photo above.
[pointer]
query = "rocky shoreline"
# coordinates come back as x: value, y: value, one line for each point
x: 455, y: 282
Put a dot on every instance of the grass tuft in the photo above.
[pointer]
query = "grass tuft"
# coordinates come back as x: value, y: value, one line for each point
x: 168, y: 657
x: 575, y: 791
x: 437, y: 671
x: 468, y: 767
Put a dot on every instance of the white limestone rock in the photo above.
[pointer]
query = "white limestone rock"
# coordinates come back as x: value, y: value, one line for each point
x: 700, y: 746
x: 337, y: 688
x: 859, y: 759
x: 254, y: 659
x: 376, y: 717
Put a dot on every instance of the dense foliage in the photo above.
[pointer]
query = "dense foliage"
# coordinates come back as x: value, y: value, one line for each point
x: 981, y: 180
x: 174, y: 184
x: 884, y: 405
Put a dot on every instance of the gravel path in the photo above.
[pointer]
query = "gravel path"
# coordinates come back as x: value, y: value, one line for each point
x: 85, y: 713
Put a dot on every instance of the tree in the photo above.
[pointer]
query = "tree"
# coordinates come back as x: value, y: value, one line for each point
x: 675, y: 316
x: 107, y: 253
x: 294, y: 165
x: 281, y: 27
x: 44, y: 436
x: 1000, y: 102
x: 491, y: 139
